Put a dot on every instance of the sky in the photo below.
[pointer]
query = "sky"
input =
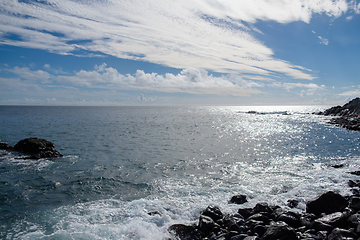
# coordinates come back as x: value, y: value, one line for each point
x: 188, y: 52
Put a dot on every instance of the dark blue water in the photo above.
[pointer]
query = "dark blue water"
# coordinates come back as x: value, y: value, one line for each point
x: 121, y: 162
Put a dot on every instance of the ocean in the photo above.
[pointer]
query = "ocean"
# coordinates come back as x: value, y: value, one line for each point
x: 122, y: 163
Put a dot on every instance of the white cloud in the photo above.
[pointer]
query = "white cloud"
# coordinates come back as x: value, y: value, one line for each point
x: 190, y: 80
x: 323, y: 40
x: 25, y: 72
x: 206, y: 34
x: 352, y: 93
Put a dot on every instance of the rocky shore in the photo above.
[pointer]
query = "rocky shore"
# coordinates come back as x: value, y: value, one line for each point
x: 34, y: 148
x: 347, y: 116
x: 330, y: 216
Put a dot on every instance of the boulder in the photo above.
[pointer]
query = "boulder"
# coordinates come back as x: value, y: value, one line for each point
x: 184, y: 232
x: 279, y: 231
x: 329, y: 202
x: 338, y: 234
x: 238, y: 199
x: 213, y: 212
x: 37, y: 148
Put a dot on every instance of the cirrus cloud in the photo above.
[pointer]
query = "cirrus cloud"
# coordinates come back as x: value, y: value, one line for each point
x: 205, y: 34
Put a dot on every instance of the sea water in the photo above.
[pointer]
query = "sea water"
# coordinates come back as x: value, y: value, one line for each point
x: 121, y: 163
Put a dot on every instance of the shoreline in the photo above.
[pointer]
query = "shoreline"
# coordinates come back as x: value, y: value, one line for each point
x: 329, y: 216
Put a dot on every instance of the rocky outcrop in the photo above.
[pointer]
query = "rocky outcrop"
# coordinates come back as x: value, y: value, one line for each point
x: 329, y: 216
x: 347, y: 116
x: 34, y: 147
x: 351, y: 109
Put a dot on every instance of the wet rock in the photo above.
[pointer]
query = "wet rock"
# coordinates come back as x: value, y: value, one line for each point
x: 327, y: 203
x: 357, y: 173
x: 238, y: 199
x: 153, y: 213
x: 213, y: 212
x: 337, y: 165
x: 5, y: 146
x: 354, y: 183
x: 37, y: 148
x: 206, y: 224
x: 279, y: 231
x: 262, y: 217
x: 239, y: 237
x: 354, y: 220
x: 354, y: 203
x: 184, y: 232
x: 337, y: 219
x: 338, y: 234
x: 293, y: 203
x: 291, y: 218
x: 245, y: 212
x: 262, y: 207
x: 321, y: 226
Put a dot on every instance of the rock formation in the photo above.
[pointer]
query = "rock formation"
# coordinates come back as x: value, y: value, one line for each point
x: 347, y: 116
x: 34, y: 147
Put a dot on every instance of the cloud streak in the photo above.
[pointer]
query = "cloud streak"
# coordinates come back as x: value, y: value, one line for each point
x: 205, y: 34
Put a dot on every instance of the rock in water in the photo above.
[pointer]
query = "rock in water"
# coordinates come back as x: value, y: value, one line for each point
x: 37, y: 148
x: 5, y: 146
x: 327, y: 203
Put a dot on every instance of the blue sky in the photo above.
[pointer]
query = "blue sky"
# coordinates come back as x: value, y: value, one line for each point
x: 189, y: 52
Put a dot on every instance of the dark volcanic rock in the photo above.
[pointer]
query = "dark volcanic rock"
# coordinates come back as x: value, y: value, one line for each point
x: 327, y: 203
x: 213, y: 212
x: 37, y: 148
x: 238, y: 199
x: 184, y: 232
x: 5, y: 146
x: 351, y: 109
x: 338, y: 234
x: 279, y: 231
x: 348, y: 116
x: 329, y: 217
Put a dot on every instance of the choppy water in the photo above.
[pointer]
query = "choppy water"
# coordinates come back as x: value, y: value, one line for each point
x: 122, y: 162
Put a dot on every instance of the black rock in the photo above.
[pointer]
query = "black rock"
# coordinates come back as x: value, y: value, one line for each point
x: 245, y: 212
x: 337, y: 165
x: 206, y: 224
x: 354, y: 183
x: 184, y: 232
x: 348, y: 115
x: 262, y: 207
x: 213, y: 212
x: 5, y: 146
x: 239, y: 237
x: 354, y: 220
x: 357, y: 173
x: 259, y: 217
x: 354, y: 203
x: 327, y: 203
x: 238, y: 199
x: 153, y: 213
x: 352, y: 108
x: 291, y: 218
x: 279, y: 231
x: 337, y: 219
x: 293, y: 203
x: 37, y: 148
x: 338, y: 234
